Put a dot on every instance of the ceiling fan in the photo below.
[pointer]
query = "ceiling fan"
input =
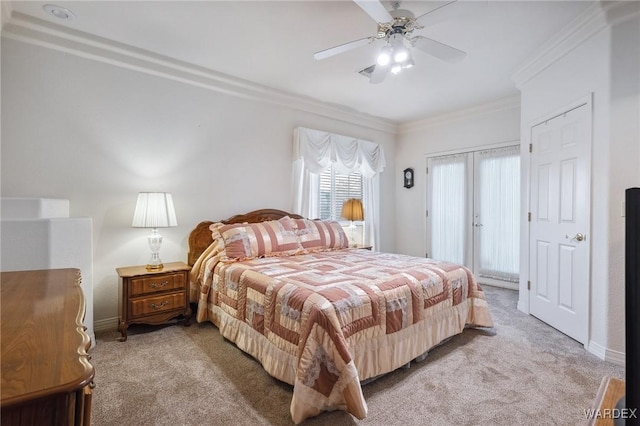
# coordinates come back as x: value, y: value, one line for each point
x: 396, y: 28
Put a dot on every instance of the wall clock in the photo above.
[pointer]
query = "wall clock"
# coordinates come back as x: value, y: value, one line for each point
x: 408, y: 178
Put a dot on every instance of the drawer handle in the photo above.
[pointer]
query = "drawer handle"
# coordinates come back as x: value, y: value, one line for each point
x: 156, y: 285
x: 160, y: 306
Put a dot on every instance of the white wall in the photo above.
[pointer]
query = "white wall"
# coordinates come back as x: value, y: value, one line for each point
x: 624, y: 149
x: 97, y: 134
x: 484, y: 125
x: 606, y: 66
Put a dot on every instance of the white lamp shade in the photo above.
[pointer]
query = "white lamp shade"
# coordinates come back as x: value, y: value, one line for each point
x: 154, y: 210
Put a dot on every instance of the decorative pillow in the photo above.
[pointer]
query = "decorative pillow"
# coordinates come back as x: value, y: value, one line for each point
x: 317, y: 235
x: 249, y: 240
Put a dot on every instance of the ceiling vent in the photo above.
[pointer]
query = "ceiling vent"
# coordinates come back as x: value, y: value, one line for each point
x: 367, y: 71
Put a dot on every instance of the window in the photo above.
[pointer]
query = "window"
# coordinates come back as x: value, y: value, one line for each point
x: 335, y: 189
x: 359, y: 163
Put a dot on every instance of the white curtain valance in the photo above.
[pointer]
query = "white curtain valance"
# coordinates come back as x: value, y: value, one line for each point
x: 319, y: 149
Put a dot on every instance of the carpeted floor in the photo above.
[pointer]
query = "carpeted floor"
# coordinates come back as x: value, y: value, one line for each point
x: 522, y: 372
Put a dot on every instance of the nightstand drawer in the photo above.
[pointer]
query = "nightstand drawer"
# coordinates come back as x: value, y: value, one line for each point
x: 155, y: 284
x: 154, y: 305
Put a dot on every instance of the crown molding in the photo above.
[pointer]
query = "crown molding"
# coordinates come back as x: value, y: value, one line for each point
x: 621, y: 11
x: 5, y: 12
x: 41, y: 33
x: 512, y: 102
x: 593, y: 20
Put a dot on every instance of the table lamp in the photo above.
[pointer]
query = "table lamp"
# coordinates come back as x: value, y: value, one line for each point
x: 154, y: 210
x: 352, y: 210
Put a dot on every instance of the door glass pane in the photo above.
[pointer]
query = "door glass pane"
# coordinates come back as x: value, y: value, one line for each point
x: 498, y: 214
x: 448, y: 210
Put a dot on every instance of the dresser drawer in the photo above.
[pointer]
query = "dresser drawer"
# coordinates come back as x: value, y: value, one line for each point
x: 154, y: 305
x: 155, y: 284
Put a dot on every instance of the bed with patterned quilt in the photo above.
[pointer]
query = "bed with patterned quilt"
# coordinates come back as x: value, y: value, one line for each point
x: 319, y: 315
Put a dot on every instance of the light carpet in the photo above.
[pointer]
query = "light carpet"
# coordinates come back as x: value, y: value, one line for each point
x: 522, y: 372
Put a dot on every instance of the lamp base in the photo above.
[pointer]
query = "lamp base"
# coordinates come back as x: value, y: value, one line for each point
x: 155, y: 267
x: 155, y: 242
x: 351, y: 235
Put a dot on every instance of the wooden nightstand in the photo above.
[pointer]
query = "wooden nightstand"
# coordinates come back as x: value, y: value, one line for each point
x: 153, y: 297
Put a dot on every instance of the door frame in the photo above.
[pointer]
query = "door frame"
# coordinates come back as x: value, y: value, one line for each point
x: 525, y: 191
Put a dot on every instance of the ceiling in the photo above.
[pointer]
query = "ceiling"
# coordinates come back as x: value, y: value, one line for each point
x: 272, y: 43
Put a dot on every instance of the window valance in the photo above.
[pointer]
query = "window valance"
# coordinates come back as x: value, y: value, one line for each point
x: 318, y: 149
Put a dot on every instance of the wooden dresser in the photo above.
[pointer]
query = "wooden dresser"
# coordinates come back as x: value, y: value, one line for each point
x: 46, y: 374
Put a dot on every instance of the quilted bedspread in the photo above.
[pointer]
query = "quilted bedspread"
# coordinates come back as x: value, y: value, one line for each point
x: 324, y: 321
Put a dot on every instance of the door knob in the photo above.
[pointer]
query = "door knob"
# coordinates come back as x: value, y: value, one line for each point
x: 577, y: 237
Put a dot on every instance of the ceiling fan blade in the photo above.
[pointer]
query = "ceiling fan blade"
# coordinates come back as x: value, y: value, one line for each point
x: 375, y: 9
x: 379, y: 74
x: 323, y: 54
x: 450, y: 10
x: 437, y: 49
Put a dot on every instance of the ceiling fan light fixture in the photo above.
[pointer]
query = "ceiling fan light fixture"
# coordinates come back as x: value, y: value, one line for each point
x: 384, y: 57
x: 395, y: 29
x: 395, y: 38
x: 400, y: 54
x: 409, y: 62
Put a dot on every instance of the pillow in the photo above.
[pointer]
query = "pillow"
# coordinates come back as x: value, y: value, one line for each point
x: 250, y: 240
x: 318, y: 235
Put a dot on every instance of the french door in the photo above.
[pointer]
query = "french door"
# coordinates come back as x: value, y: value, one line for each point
x: 473, y: 212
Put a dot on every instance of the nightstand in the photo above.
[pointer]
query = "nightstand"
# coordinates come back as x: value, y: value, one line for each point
x: 153, y: 297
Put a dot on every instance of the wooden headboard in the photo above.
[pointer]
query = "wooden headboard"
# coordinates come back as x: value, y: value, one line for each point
x: 200, y: 238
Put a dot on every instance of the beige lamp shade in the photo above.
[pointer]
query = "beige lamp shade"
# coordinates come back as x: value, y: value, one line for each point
x: 352, y: 209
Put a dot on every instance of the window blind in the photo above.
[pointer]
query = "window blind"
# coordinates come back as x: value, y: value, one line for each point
x: 335, y: 189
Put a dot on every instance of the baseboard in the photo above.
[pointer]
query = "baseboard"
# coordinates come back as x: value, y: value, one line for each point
x: 523, y: 304
x: 497, y: 283
x: 615, y: 357
x: 109, y: 324
x: 609, y: 355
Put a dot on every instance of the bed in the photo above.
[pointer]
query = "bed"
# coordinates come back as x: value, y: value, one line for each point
x: 319, y: 315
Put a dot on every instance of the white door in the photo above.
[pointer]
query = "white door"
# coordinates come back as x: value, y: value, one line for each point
x: 558, y: 230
